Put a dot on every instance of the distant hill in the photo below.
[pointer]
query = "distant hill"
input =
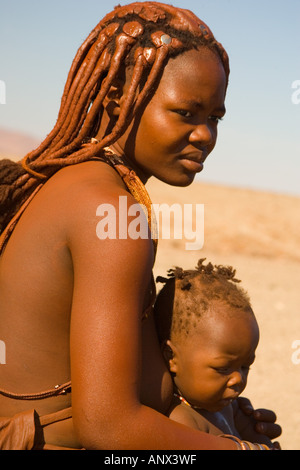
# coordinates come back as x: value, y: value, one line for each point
x: 15, y: 145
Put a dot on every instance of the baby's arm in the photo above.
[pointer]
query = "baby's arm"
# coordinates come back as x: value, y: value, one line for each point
x: 187, y: 416
x: 202, y: 421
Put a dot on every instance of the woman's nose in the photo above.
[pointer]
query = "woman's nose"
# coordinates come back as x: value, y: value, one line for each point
x: 202, y: 134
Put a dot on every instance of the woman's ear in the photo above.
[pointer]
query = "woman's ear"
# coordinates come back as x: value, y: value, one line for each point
x: 170, y: 355
x: 113, y: 99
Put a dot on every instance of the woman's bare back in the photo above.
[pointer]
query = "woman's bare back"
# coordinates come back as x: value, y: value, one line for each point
x: 36, y: 295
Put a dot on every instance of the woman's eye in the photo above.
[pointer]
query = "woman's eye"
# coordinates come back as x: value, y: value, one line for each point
x: 184, y: 113
x: 215, y: 119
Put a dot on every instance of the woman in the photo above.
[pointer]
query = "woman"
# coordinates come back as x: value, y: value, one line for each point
x: 83, y: 367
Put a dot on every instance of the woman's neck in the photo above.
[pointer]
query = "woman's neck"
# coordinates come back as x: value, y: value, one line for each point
x: 117, y: 150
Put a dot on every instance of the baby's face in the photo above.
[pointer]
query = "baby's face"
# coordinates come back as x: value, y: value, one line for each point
x: 211, y: 366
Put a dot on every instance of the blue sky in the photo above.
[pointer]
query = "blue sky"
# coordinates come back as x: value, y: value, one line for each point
x: 259, y: 144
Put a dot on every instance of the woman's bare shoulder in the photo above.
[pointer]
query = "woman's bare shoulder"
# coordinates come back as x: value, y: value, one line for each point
x: 85, y: 179
x: 74, y: 193
x: 89, y: 201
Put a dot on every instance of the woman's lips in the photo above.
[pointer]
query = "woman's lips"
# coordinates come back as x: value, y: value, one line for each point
x: 194, y: 166
x: 193, y: 161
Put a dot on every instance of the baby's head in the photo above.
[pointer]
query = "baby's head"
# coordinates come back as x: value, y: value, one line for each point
x: 208, y: 333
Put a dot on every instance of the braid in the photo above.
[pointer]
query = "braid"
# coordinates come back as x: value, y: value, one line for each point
x: 13, y: 189
x: 142, y: 35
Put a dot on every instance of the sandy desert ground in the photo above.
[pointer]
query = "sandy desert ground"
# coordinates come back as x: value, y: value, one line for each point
x: 257, y: 233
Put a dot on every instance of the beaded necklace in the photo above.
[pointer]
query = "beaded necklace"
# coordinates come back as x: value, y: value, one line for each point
x: 183, y: 400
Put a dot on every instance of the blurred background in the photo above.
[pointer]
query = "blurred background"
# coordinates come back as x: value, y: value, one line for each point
x: 250, y: 185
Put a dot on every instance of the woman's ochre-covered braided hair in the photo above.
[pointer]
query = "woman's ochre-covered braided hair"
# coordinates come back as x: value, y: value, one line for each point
x: 142, y: 35
x: 188, y: 296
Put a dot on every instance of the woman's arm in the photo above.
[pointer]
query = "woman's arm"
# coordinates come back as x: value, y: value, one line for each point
x: 111, y: 282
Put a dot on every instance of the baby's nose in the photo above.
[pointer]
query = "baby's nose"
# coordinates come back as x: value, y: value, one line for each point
x: 237, y: 379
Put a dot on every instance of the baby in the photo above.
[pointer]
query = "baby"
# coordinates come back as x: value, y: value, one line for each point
x: 208, y: 334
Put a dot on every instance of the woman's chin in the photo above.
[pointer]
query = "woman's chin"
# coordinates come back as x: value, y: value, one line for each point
x: 180, y: 181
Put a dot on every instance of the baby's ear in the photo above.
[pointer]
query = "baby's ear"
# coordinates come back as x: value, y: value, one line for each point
x: 169, y: 353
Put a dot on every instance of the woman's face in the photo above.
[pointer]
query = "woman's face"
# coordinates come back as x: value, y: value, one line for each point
x: 178, y: 128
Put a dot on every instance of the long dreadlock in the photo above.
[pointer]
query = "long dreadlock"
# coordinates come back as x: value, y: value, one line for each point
x: 142, y: 35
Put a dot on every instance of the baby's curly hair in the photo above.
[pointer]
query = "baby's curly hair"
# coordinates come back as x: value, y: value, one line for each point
x: 188, y: 295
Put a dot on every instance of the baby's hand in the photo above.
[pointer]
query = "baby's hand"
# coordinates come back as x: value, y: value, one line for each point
x: 264, y: 420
